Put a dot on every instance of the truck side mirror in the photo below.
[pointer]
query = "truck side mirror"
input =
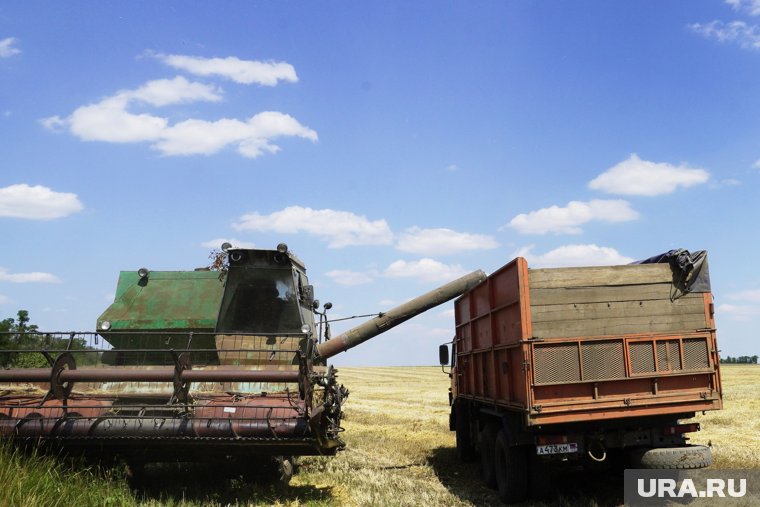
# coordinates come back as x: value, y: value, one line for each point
x: 443, y: 355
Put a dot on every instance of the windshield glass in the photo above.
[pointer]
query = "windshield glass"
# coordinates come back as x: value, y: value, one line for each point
x: 260, y: 301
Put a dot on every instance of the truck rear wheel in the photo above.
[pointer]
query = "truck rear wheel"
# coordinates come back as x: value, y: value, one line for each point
x: 678, y: 458
x: 511, y: 464
x: 486, y: 443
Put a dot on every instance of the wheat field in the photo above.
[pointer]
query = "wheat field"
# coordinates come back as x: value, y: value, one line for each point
x: 400, y: 452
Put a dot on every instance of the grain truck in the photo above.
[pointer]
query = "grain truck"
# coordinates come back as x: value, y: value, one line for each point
x: 583, y: 366
x: 206, y: 365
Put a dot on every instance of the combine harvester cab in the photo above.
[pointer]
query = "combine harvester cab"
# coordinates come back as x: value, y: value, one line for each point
x: 196, y: 366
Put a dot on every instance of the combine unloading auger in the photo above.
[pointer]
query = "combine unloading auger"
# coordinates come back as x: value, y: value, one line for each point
x: 197, y: 366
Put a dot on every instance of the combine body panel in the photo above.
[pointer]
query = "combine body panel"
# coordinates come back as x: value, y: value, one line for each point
x: 193, y: 366
x: 582, y: 364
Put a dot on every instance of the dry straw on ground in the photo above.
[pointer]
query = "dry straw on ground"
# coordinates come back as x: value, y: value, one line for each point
x: 400, y: 453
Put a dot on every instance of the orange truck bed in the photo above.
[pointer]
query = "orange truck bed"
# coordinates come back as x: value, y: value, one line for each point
x: 568, y: 345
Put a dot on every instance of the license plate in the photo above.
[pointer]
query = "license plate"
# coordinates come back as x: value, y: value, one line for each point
x: 556, y: 449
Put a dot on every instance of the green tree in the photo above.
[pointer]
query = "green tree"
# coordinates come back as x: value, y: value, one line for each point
x: 17, y: 334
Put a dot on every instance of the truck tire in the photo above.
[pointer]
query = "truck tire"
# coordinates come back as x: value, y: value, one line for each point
x: 674, y: 458
x: 487, y: 443
x: 465, y: 449
x: 511, y: 466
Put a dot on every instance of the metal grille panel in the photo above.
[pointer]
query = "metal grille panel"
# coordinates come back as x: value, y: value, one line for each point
x: 556, y: 363
x: 668, y: 356
x: 642, y: 357
x: 603, y: 360
x: 695, y: 354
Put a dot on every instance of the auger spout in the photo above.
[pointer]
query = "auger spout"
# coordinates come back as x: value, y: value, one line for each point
x: 397, y: 315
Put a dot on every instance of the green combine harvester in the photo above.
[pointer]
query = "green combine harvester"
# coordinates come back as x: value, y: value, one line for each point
x: 198, y: 365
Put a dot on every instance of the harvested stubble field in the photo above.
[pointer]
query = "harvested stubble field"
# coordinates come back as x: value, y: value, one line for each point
x: 400, y: 453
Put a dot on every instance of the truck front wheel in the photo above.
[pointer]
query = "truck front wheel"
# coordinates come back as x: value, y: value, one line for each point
x: 673, y: 458
x: 511, y: 464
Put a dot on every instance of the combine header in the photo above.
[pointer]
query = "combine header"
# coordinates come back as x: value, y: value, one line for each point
x: 196, y: 366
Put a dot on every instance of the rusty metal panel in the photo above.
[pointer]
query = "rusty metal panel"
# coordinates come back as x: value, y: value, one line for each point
x: 519, y: 373
x: 555, y: 363
x: 507, y: 324
x: 492, y: 322
x: 489, y: 375
x: 695, y: 354
x: 668, y: 355
x: 464, y: 338
x: 502, y: 369
x: 481, y: 301
x: 162, y: 300
x: 512, y: 283
x: 462, y: 309
x: 642, y: 357
x: 481, y: 332
x: 505, y: 288
x: 603, y: 360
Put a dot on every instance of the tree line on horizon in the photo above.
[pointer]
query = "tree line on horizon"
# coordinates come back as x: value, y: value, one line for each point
x: 18, y: 334
x: 739, y: 360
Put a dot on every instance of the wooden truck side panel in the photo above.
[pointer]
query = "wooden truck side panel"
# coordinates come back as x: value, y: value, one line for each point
x: 579, y: 344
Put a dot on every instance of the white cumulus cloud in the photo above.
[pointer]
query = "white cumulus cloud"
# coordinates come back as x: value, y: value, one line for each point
x: 750, y: 295
x: 349, y: 278
x: 736, y: 32
x: 425, y: 270
x: 37, y: 202
x: 746, y: 308
x: 253, y: 136
x: 109, y: 121
x: 447, y: 314
x: 741, y: 313
x: 6, y: 47
x: 338, y: 228
x: 114, y: 120
x: 32, y: 277
x: 751, y: 7
x: 568, y: 219
x: 641, y: 177
x: 574, y: 255
x: 164, y: 92
x: 442, y: 241
x: 233, y: 68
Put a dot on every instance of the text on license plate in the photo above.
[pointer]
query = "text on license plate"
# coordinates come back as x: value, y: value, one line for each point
x: 556, y: 448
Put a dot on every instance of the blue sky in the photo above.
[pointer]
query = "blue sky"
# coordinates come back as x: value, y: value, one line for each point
x: 392, y: 145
